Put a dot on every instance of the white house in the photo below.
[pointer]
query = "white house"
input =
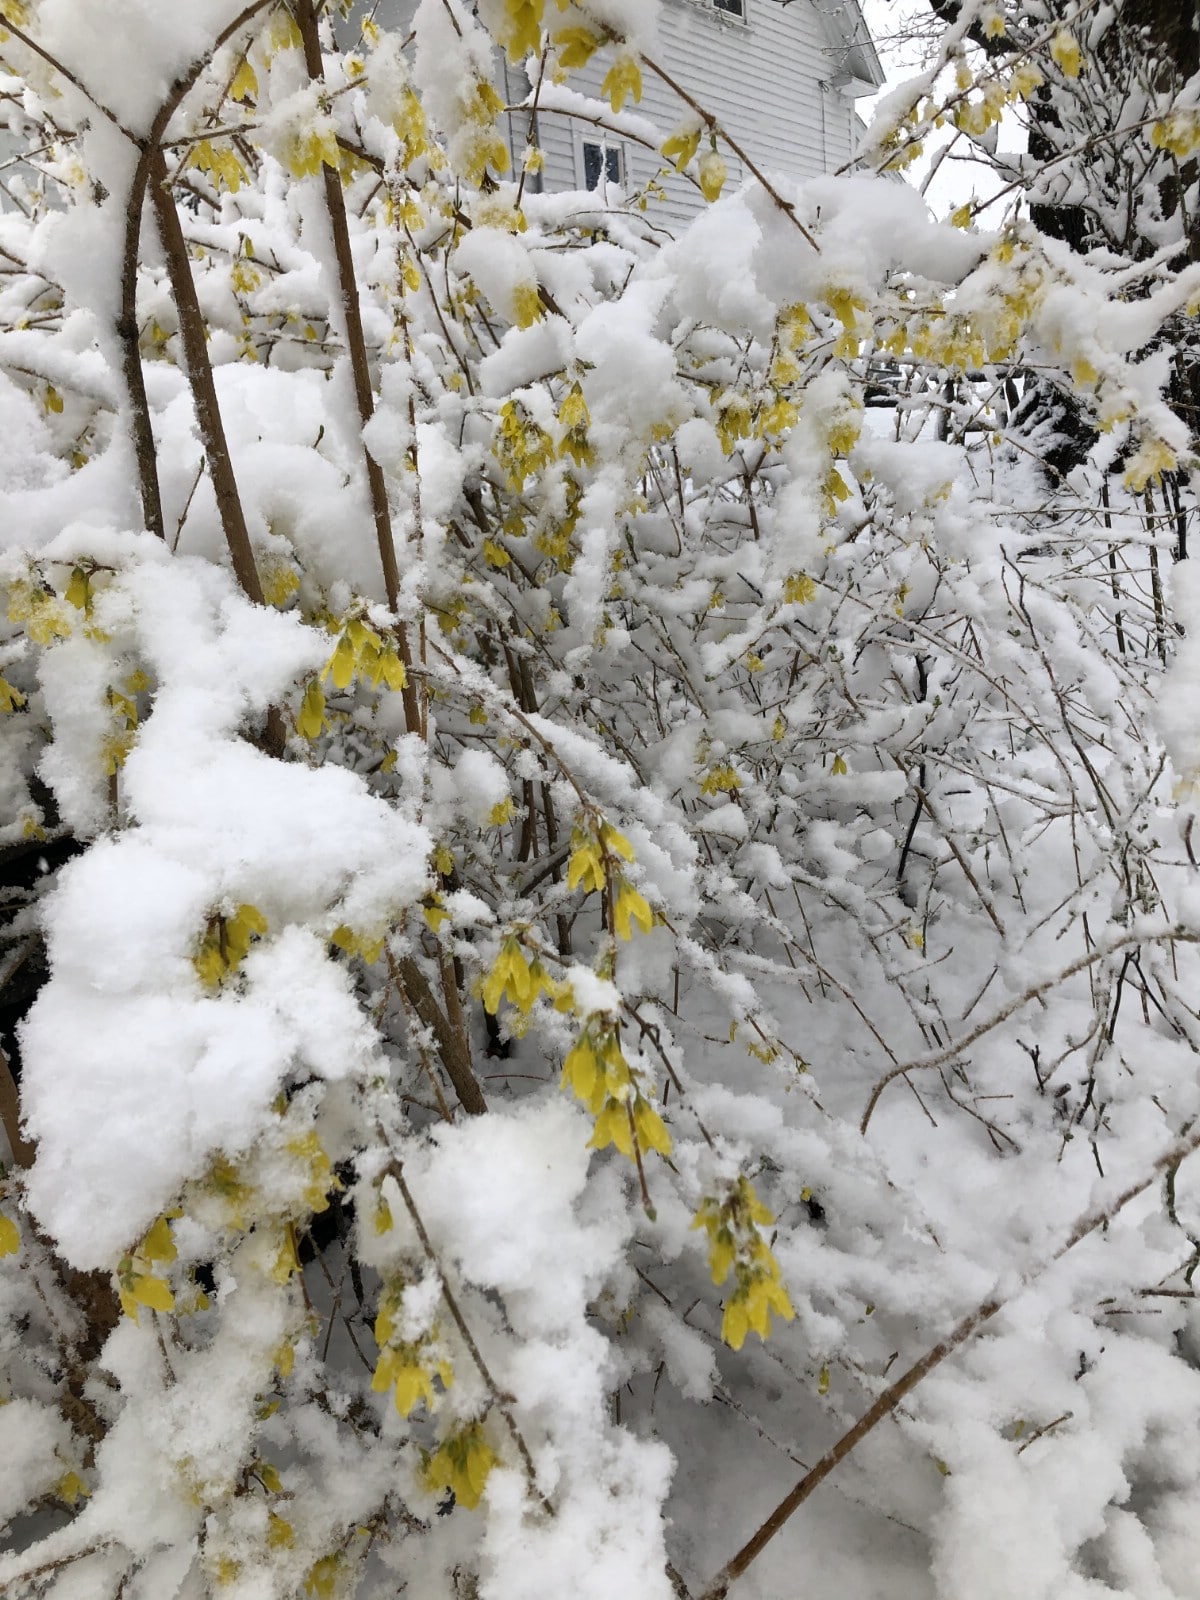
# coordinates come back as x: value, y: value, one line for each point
x: 781, y: 76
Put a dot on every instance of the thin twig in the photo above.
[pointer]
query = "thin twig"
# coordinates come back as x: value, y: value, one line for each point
x: 500, y: 1400
x: 956, y: 1047
x: 887, y: 1402
x: 356, y: 347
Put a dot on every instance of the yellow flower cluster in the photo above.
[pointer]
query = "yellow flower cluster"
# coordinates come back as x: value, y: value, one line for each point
x: 992, y: 19
x: 220, y: 163
x: 975, y: 117
x: 591, y: 865
x: 279, y: 579
x: 721, y: 779
x: 311, y: 721
x: 244, y: 84
x: 1065, y: 52
x: 682, y: 146
x: 360, y: 653
x: 526, y: 304
x: 521, y: 447
x: 462, y: 1463
x: 799, y: 589
x: 575, y: 47
x: 244, y: 277
x: 309, y: 149
x: 38, y: 609
x: 902, y: 146
x: 1152, y: 458
x: 1025, y: 80
x: 367, y: 945
x: 517, y: 979
x: 226, y: 944
x: 523, y: 33
x: 1178, y: 133
x: 622, y: 81
x: 479, y: 143
x: 118, y: 742
x: 777, y: 416
x: 137, y: 1282
x: 836, y: 489
x: 408, y: 120
x: 843, y: 435
x: 407, y: 1367
x: 574, y: 419
x: 598, y: 1074
x: 228, y: 1198
x: 735, y: 1243
x: 319, y: 1179
x: 712, y: 174
x: 794, y: 327
x: 587, y: 862
x: 734, y: 420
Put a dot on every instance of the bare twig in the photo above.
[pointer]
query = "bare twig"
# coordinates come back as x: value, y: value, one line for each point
x: 200, y: 376
x: 127, y: 323
x: 356, y: 346
x: 10, y: 1116
x: 891, y: 1397
x: 939, y: 1058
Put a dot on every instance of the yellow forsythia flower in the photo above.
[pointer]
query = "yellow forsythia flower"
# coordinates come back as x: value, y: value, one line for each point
x: 682, y: 146
x: 713, y: 173
x: 735, y: 1243
x: 1152, y: 458
x: 462, y: 1464
x: 527, y: 304
x: 245, y: 82
x: 523, y: 35
x: 622, y: 80
x: 576, y: 46
x: 628, y: 907
x: 1064, y: 49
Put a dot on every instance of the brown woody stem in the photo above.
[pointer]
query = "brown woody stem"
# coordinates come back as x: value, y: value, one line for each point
x: 451, y: 1040
x: 200, y: 378
x: 127, y: 324
x: 356, y: 347
x: 10, y: 1116
x: 192, y: 335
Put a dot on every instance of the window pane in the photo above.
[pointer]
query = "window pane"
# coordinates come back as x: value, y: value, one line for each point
x: 735, y: 6
x: 598, y: 160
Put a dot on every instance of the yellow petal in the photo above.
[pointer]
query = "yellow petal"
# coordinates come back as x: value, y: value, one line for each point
x: 158, y: 1244
x: 735, y: 1324
x: 651, y: 1129
x: 412, y: 1384
x: 153, y: 1292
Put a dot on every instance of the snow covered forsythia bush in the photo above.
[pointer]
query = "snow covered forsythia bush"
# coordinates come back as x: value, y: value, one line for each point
x: 618, y: 904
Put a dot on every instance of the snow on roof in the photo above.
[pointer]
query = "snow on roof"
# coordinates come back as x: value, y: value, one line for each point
x: 855, y: 57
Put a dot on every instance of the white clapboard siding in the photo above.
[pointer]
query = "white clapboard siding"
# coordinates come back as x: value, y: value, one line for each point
x: 779, y: 79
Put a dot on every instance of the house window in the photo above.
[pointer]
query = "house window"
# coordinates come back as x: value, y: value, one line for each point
x: 735, y: 8
x: 601, y: 161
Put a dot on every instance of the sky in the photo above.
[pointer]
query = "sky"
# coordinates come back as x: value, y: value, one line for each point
x: 892, y: 24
